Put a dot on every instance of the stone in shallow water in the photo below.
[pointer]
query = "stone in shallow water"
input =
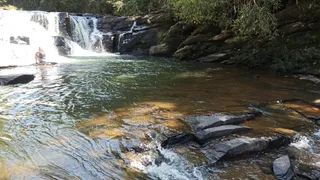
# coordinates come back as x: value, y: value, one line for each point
x: 214, y: 120
x: 16, y: 79
x: 234, y: 147
x: 305, y: 108
x: 178, y: 139
x: 283, y: 169
x: 216, y: 132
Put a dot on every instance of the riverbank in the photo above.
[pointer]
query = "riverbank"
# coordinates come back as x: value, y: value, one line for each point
x: 293, y: 47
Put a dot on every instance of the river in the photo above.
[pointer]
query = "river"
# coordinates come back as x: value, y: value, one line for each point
x: 102, y: 118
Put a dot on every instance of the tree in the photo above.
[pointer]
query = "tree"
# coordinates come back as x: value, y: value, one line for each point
x: 247, y: 17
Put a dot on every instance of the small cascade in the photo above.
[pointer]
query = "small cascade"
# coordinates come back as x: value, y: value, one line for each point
x: 121, y: 36
x: 86, y: 33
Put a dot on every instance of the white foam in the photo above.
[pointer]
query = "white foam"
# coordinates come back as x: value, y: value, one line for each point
x: 302, y: 142
x: 173, y: 166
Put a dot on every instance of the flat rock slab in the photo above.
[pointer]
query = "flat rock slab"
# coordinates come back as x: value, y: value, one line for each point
x: 220, y: 131
x: 283, y: 169
x: 214, y: 120
x: 16, y: 79
x: 234, y: 147
x: 240, y: 146
x: 178, y: 139
x: 305, y: 108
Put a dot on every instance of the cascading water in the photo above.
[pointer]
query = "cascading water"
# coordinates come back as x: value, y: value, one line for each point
x: 121, y: 35
x: 22, y: 33
x: 86, y: 34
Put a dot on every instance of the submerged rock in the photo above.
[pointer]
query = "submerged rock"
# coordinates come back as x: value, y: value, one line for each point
x: 214, y: 120
x: 16, y: 79
x: 304, y: 108
x: 215, y: 132
x: 283, y: 168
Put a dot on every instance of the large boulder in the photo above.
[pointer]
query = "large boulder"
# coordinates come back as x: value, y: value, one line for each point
x: 283, y: 168
x: 16, y: 79
x: 140, y: 42
x: 214, y: 120
x: 211, y: 133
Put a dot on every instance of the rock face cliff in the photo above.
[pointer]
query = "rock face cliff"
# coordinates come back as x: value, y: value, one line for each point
x: 295, y: 42
x: 159, y: 34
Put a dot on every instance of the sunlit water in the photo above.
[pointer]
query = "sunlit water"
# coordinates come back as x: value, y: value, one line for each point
x: 85, y: 117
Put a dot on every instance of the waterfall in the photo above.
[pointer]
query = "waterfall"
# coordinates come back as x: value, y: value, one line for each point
x: 86, y: 33
x: 22, y: 33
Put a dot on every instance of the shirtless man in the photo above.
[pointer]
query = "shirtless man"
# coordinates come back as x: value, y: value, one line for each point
x: 40, y: 56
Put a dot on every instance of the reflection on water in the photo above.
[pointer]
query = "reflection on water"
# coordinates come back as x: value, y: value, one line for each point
x: 103, y: 118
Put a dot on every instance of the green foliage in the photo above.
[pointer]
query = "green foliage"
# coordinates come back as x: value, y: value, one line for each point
x: 283, y: 54
x: 249, y: 18
x: 139, y: 7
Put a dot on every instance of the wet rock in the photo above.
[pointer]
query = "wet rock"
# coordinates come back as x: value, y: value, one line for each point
x: 308, y: 172
x: 159, y: 50
x: 216, y: 132
x: 283, y: 168
x: 214, y: 120
x: 293, y: 152
x: 139, y: 42
x: 178, y: 139
x: 239, y: 146
x: 16, y: 79
x: 234, y: 147
x: 217, y: 57
x: 305, y: 108
x: 279, y: 141
x: 63, y: 48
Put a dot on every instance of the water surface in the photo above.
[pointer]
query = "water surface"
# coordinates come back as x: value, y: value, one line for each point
x: 88, y: 118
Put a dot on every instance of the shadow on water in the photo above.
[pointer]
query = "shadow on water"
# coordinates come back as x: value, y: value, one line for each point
x: 103, y: 118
